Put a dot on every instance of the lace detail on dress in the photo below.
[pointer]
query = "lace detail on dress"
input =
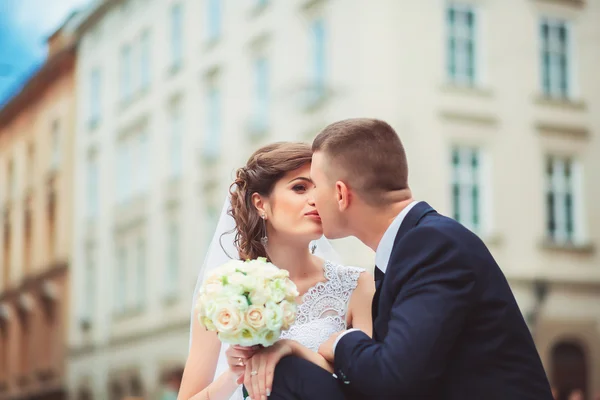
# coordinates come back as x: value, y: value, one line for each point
x: 324, y: 306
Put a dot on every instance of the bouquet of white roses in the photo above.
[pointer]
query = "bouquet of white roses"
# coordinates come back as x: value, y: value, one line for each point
x: 247, y: 302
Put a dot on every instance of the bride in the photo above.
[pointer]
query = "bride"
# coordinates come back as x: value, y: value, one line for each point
x: 270, y: 213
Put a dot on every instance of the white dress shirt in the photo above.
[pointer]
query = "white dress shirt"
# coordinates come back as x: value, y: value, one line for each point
x: 384, y: 251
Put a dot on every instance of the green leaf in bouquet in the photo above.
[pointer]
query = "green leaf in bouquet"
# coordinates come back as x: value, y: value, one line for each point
x: 224, y: 280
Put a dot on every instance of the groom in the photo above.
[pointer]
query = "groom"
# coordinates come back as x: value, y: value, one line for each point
x: 445, y: 322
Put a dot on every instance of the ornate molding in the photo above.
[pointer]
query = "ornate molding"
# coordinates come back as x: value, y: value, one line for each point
x: 570, y: 131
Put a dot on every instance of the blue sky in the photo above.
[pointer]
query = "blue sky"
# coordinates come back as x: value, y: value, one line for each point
x: 24, y: 26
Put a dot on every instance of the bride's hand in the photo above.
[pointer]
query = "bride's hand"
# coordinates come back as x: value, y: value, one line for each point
x: 260, y: 369
x: 237, y: 358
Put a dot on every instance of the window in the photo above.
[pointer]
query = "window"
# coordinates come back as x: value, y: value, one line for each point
x: 176, y: 142
x: 462, y: 49
x: 94, y: 96
x: 92, y: 187
x: 11, y: 180
x: 133, y: 165
x: 173, y: 260
x: 466, y: 187
x: 555, y: 58
x: 89, y: 285
x: 7, y: 256
x: 176, y: 35
x: 126, y: 73
x: 261, y: 101
x: 213, y: 22
x: 142, y: 165
x: 213, y: 120
x: 145, y: 60
x: 319, y: 58
x: 563, y: 200
x: 125, y: 182
x: 55, y: 157
x: 121, y: 281
x: 141, y: 273
x: 28, y: 239
x: 31, y: 173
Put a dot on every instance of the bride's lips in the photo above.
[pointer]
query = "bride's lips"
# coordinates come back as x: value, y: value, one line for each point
x: 313, y: 215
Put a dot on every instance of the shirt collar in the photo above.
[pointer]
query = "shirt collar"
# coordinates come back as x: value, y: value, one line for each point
x: 384, y: 249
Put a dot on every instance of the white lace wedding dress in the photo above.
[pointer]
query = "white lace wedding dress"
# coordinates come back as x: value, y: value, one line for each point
x: 321, y: 313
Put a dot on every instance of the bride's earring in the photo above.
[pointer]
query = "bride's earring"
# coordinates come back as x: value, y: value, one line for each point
x: 313, y: 247
x: 264, y: 240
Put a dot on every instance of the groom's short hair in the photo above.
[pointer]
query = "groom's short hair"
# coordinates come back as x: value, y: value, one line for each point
x: 367, y: 154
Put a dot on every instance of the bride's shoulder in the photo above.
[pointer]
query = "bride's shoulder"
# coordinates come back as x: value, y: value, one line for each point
x: 355, y: 276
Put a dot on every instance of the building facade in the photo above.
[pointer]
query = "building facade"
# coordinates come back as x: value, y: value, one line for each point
x: 36, y: 137
x: 500, y: 122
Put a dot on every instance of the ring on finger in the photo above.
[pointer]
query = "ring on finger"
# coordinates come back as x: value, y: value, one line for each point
x: 253, y: 373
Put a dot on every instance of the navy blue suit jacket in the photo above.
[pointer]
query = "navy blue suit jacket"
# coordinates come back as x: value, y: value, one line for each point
x: 446, y: 324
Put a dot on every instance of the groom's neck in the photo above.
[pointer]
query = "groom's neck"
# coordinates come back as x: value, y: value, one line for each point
x: 373, y: 221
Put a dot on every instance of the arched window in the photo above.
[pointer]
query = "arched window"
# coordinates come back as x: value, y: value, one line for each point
x: 568, y: 368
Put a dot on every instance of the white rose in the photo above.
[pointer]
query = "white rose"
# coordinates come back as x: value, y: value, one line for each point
x: 247, y: 336
x: 288, y: 311
x: 207, y: 323
x: 239, y: 302
x: 273, y: 316
x: 278, y: 290
x: 260, y: 295
x: 227, y: 319
x: 212, y: 288
x: 250, y: 283
x: 291, y: 291
x: 255, y: 317
x: 213, y: 277
x: 231, y: 290
x: 237, y: 278
x: 268, y: 337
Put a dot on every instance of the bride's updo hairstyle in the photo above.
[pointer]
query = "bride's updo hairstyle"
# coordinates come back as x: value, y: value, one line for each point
x: 260, y: 174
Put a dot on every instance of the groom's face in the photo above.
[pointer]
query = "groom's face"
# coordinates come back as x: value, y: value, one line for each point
x: 325, y: 197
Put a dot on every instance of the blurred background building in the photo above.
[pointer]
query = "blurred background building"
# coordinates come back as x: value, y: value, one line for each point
x: 500, y: 120
x: 37, y: 130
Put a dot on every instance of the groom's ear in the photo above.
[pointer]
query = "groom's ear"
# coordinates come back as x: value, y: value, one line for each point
x: 343, y: 195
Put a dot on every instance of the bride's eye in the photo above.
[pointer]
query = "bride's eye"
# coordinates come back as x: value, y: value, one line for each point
x: 299, y: 188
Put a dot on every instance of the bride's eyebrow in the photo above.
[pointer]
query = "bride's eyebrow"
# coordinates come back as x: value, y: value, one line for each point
x: 301, y: 178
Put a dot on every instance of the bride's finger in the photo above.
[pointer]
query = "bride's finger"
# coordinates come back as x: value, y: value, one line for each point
x: 257, y: 360
x: 248, y: 378
x: 239, y: 353
x: 261, y: 377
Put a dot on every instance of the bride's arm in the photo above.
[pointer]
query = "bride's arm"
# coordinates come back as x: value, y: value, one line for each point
x: 220, y: 389
x: 359, y: 309
x: 197, y: 382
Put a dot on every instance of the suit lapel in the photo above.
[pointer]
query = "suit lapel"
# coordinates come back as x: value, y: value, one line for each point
x: 410, y: 221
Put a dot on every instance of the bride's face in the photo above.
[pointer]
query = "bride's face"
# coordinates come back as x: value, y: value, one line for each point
x: 290, y: 210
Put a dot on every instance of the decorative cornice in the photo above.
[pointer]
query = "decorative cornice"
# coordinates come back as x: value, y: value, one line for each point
x: 35, y: 283
x: 118, y: 341
x: 467, y: 117
x: 570, y: 131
